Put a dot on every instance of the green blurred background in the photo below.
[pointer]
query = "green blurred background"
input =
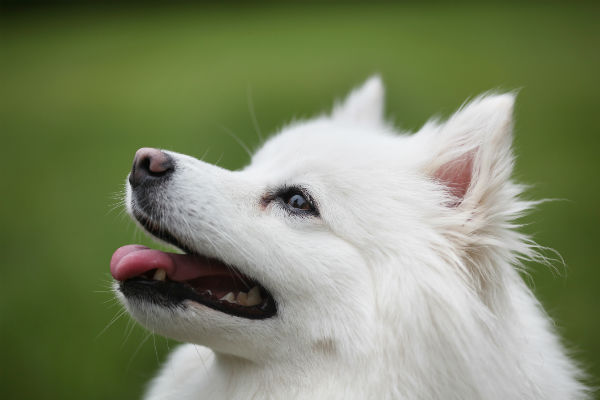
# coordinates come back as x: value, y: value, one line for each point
x: 83, y: 87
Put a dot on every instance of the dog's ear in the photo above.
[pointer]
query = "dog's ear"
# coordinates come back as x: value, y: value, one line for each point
x: 471, y: 153
x: 364, y: 104
x: 471, y: 157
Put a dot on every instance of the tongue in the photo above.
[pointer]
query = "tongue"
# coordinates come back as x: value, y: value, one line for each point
x: 134, y: 260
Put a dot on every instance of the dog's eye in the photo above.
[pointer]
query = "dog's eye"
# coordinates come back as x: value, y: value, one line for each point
x: 297, y: 200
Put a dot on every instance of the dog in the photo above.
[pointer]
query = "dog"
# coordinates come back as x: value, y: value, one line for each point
x: 346, y: 261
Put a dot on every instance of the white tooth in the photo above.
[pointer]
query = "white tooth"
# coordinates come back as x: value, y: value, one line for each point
x: 207, y: 292
x: 230, y: 297
x: 160, y: 275
x: 242, y: 298
x: 254, y: 297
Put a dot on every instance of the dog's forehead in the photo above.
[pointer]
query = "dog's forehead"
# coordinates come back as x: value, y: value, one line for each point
x: 325, y: 142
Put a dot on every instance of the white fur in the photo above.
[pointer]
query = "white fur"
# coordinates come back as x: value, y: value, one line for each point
x: 401, y: 288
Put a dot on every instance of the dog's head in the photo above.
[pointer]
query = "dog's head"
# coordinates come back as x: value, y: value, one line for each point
x: 337, y: 224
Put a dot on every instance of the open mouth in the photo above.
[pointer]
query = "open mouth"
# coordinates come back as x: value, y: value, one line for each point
x: 169, y: 279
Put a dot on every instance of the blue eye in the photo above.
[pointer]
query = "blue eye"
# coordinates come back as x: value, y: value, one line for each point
x: 298, y: 201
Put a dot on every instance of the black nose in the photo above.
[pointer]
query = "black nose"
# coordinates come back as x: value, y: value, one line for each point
x: 150, y: 165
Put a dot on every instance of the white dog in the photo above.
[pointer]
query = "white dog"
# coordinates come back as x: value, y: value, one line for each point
x: 347, y: 261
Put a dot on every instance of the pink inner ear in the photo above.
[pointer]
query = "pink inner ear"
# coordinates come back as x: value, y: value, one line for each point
x: 456, y: 175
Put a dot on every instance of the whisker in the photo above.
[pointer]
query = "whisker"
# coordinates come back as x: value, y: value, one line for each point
x: 237, y: 139
x: 253, y: 114
x: 131, y: 325
x: 219, y: 159
x: 115, y: 319
x: 137, y: 350
x: 205, y: 154
x: 155, y: 349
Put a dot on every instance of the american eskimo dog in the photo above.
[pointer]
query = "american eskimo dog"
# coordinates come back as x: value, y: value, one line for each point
x: 347, y: 261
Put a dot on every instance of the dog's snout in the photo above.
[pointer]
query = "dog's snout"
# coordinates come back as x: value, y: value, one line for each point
x: 150, y: 165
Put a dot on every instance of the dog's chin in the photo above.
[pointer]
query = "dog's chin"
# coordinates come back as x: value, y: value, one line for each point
x: 190, y: 322
x: 156, y: 285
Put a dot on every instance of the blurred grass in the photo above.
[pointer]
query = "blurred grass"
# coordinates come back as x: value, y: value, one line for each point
x: 82, y: 89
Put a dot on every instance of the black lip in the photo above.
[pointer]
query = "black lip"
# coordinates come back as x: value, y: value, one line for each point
x: 173, y: 294
x: 155, y: 230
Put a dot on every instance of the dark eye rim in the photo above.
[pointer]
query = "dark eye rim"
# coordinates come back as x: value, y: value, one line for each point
x: 283, y: 194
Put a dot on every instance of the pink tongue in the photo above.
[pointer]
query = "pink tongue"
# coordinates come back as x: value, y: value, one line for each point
x: 134, y: 260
